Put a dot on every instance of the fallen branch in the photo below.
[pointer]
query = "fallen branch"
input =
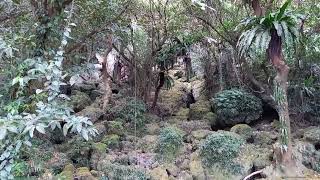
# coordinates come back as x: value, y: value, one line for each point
x: 252, y: 174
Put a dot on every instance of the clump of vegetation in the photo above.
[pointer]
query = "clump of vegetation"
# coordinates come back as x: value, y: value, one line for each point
x: 132, y: 111
x: 119, y: 172
x: 236, y: 106
x: 243, y: 130
x: 115, y: 127
x: 220, y: 148
x: 20, y: 169
x: 170, y: 142
x: 112, y: 141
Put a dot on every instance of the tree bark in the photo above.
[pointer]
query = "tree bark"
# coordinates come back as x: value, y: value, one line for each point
x: 156, y: 94
x: 280, y: 94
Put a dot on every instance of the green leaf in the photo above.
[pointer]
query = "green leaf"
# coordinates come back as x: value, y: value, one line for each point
x: 65, y: 129
x: 84, y: 134
x: 31, y: 131
x: 3, y: 133
x: 283, y: 9
x: 286, y: 33
x: 41, y: 128
x: 278, y: 27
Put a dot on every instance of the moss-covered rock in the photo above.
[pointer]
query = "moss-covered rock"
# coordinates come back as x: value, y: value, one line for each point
x: 264, y: 138
x: 159, y: 173
x: 236, y: 106
x: 243, y: 130
x: 148, y: 143
x: 199, y: 110
x: 211, y: 118
x: 189, y: 126
x: 112, y: 141
x: 57, y: 162
x: 182, y: 114
x: 94, y: 113
x: 200, y: 134
x: 185, y: 175
x: 79, y: 100
x: 115, y: 171
x: 313, y: 135
x: 67, y: 173
x: 306, y: 153
x: 152, y: 128
x: 195, y: 166
x: 83, y: 173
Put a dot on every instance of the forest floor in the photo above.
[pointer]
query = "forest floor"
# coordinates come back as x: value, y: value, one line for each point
x: 124, y: 152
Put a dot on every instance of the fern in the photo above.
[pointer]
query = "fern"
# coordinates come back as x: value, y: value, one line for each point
x: 258, y: 29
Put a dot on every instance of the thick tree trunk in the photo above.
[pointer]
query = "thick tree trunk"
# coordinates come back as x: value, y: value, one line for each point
x: 280, y: 94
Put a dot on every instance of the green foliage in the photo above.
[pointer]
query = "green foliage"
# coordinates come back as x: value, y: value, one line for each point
x: 20, y: 169
x: 131, y: 111
x: 220, y: 148
x: 112, y: 141
x: 258, y: 29
x: 236, y: 106
x: 115, y: 127
x: 170, y: 143
x: 17, y: 129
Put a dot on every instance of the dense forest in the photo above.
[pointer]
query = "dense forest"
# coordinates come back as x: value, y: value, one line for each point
x: 159, y: 89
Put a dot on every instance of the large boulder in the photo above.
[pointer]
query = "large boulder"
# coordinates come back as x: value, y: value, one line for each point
x: 236, y: 106
x: 79, y: 100
x: 243, y: 130
x: 196, y: 168
x: 159, y: 173
x: 306, y: 153
x: 264, y: 138
x: 92, y: 112
x: 117, y: 171
x: 313, y: 135
x: 199, y: 110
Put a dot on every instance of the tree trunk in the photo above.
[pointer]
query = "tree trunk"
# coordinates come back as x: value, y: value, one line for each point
x: 188, y: 68
x: 156, y: 94
x: 280, y: 94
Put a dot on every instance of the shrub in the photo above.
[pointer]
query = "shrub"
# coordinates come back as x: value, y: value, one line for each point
x: 170, y: 143
x: 220, y: 148
x: 112, y: 141
x: 20, y: 169
x: 236, y: 106
x: 115, y: 127
x: 131, y: 110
